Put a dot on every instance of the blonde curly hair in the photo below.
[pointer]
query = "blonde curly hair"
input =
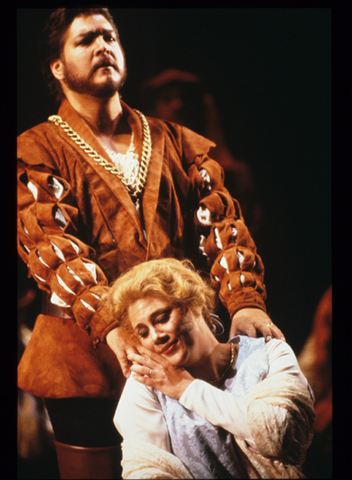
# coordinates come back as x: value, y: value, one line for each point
x: 168, y: 279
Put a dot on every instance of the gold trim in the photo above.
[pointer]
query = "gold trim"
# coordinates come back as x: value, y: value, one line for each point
x: 134, y: 190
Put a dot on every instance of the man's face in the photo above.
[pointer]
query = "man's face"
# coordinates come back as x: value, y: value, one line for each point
x: 92, y: 59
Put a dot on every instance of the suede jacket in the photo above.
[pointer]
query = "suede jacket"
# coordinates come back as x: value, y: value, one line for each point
x: 78, y: 229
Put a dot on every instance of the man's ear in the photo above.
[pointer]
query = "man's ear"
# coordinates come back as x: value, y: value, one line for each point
x: 57, y: 69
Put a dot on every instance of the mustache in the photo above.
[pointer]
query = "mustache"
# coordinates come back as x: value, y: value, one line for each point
x: 105, y: 62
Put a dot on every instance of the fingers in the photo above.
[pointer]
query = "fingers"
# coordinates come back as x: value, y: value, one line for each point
x: 254, y: 322
x: 148, y: 374
x: 121, y: 346
x: 246, y: 328
x: 124, y: 364
x: 269, y: 331
x: 145, y: 379
x: 143, y: 371
x: 243, y: 325
x: 122, y: 356
x: 148, y: 367
x: 266, y: 331
x: 277, y: 333
x: 149, y: 354
x: 142, y: 361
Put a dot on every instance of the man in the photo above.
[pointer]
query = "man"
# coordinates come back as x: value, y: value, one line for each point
x: 102, y: 188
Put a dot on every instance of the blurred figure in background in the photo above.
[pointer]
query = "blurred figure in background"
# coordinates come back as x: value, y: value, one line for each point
x: 315, y: 361
x: 180, y: 97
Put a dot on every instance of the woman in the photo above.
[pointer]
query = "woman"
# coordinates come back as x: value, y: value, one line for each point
x: 197, y: 408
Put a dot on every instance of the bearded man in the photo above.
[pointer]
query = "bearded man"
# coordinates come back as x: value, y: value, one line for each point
x: 101, y: 189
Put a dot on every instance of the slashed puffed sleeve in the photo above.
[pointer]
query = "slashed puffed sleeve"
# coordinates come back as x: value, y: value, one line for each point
x: 48, y: 240
x: 237, y: 271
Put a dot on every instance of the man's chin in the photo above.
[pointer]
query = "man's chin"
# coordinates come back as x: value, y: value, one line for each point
x: 108, y: 88
x: 105, y: 89
x: 104, y: 93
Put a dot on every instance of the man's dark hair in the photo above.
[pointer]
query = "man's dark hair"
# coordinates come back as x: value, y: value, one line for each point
x: 53, y: 38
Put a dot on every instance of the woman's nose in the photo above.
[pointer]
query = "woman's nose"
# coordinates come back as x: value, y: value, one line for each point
x: 159, y: 337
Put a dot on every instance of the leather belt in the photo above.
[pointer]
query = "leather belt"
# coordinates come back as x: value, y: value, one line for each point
x: 49, y: 308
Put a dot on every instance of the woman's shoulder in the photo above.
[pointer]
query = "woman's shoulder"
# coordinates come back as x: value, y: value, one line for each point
x: 248, y: 345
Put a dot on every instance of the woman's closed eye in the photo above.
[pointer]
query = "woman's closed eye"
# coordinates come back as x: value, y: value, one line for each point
x: 157, y: 319
x: 164, y: 317
x: 143, y: 333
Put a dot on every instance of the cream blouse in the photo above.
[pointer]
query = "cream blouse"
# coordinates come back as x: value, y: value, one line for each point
x: 139, y: 415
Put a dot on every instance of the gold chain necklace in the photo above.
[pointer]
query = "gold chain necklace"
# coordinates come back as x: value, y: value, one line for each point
x: 134, y: 190
x: 232, y: 358
x: 127, y: 163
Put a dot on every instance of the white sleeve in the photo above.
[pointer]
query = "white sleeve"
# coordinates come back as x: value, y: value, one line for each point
x: 139, y: 416
x: 282, y: 360
x: 222, y: 409
x: 219, y: 407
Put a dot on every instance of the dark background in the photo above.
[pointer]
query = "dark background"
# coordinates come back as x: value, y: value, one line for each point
x: 269, y: 70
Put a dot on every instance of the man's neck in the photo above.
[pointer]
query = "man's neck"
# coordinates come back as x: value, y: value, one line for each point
x: 102, y: 114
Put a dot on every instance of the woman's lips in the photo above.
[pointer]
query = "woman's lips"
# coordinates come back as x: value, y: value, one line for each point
x: 169, y: 348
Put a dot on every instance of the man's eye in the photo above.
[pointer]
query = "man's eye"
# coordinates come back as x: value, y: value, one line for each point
x: 86, y: 41
x: 143, y: 334
x: 109, y: 38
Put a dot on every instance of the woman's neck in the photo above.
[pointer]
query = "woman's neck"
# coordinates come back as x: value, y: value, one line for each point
x: 213, y: 364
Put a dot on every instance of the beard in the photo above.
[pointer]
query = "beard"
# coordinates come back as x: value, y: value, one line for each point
x: 86, y: 85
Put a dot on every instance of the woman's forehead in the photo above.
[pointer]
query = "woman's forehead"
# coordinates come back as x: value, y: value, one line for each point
x: 143, y: 309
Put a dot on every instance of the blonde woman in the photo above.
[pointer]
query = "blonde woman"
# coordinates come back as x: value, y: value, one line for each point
x: 197, y: 408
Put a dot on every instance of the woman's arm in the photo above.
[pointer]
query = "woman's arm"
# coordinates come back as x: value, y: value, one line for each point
x: 139, y: 416
x: 219, y: 407
x: 146, y: 445
x: 279, y: 410
x: 277, y: 413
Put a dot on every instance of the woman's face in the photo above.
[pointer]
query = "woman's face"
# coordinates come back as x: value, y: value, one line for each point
x: 164, y: 329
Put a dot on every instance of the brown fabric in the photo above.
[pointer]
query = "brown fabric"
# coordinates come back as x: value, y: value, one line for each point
x: 61, y: 361
x: 88, y: 463
x: 93, y: 224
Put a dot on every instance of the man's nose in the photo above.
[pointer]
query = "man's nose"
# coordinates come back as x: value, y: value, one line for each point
x: 101, y: 45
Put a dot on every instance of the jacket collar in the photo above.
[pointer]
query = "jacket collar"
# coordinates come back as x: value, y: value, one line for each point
x: 151, y: 189
x: 150, y: 195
